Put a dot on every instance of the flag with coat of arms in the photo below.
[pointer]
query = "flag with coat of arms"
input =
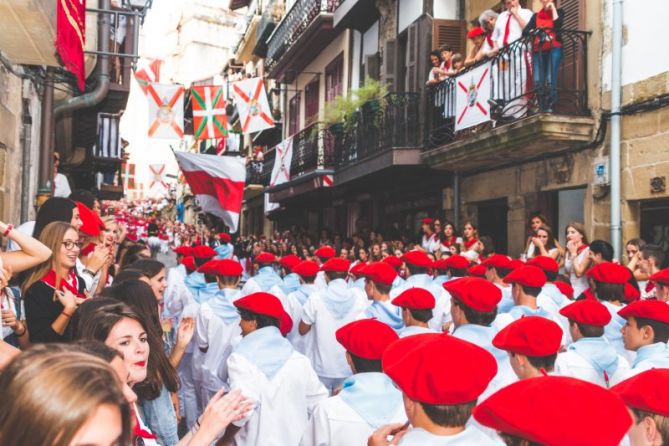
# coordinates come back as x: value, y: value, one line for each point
x: 166, y: 111
x: 148, y: 73
x: 251, y: 101
x: 283, y: 153
x: 209, y: 117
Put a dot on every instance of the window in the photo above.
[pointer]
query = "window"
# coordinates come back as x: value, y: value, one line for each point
x: 294, y: 114
x: 311, y: 102
x: 334, y: 75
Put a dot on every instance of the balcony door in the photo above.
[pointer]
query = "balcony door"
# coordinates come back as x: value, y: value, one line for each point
x: 311, y: 102
x: 492, y: 221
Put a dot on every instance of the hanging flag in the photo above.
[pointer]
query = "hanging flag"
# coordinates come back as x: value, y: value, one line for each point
x: 166, y: 111
x: 217, y: 182
x: 251, y: 101
x: 281, y: 170
x: 149, y: 73
x: 209, y: 118
x: 128, y: 170
x: 158, y: 175
x: 221, y: 146
x: 71, y: 37
x: 472, y: 92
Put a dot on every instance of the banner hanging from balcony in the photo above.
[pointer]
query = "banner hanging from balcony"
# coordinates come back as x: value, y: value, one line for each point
x: 209, y: 118
x: 251, y: 101
x: 217, y: 182
x: 158, y: 176
x: 281, y: 170
x: 128, y: 170
x: 71, y: 37
x: 472, y: 92
x: 150, y: 72
x: 166, y: 111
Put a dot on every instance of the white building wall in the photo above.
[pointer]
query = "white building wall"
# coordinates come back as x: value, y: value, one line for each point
x: 409, y: 10
x: 446, y: 9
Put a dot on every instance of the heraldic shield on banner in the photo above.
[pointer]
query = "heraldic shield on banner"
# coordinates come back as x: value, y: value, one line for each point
x: 281, y: 169
x: 251, y: 101
x: 472, y: 92
x: 166, y: 111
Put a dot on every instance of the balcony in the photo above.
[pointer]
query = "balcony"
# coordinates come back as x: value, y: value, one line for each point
x: 297, y: 40
x: 379, y: 136
x: 527, y: 120
x: 356, y: 14
x: 271, y: 16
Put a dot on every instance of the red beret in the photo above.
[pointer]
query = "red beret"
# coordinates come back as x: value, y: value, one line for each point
x: 648, y: 391
x: 306, y: 268
x: 477, y: 271
x: 530, y: 336
x: 441, y: 264
x: 417, y: 258
x: 358, y: 270
x: 556, y: 411
x: 366, y: 338
x: 289, y: 261
x: 336, y: 265
x: 457, y: 261
x: 478, y: 294
x: 661, y: 277
x: 498, y: 261
x: 189, y: 263
x: 265, y: 258
x: 609, y: 272
x: 655, y: 310
x: 268, y: 305
x: 87, y: 249
x: 224, y: 267
x: 393, y: 261
x: 474, y: 32
x: 548, y: 264
x: 203, y: 252
x: 427, y: 221
x: 92, y: 225
x: 325, y: 252
x: 184, y: 251
x: 631, y: 294
x: 565, y: 288
x: 527, y: 275
x: 415, y: 299
x: 439, y: 369
x: 516, y: 263
x: 380, y: 272
x: 587, y: 311
x: 224, y: 237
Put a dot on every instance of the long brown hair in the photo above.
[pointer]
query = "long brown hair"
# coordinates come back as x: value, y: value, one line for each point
x: 579, y: 228
x: 52, y: 236
x: 53, y: 393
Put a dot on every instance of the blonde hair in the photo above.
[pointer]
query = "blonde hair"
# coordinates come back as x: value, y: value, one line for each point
x: 49, y: 395
x: 52, y: 236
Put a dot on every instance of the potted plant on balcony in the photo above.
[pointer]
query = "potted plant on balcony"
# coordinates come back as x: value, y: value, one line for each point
x: 342, y: 113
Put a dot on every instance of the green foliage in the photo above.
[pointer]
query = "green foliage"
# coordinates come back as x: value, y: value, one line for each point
x: 343, y: 109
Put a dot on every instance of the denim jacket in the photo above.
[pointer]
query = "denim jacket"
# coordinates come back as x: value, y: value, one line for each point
x: 160, y: 417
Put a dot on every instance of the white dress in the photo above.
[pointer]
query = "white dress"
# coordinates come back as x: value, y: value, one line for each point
x: 579, y: 284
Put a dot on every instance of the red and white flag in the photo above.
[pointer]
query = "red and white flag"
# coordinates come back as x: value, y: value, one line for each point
x: 166, y: 111
x: 209, y: 118
x: 158, y: 175
x: 217, y: 182
x: 128, y: 170
x: 281, y: 170
x: 251, y: 101
x: 147, y: 74
x: 472, y: 92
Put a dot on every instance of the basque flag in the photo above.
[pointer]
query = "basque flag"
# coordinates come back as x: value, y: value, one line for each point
x: 217, y: 182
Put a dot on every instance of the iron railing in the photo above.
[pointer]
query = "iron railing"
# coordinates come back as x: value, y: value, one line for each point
x: 255, y: 173
x: 520, y: 79
x: 295, y: 22
x: 378, y: 125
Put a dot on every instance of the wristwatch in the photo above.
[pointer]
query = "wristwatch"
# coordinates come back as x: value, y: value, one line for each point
x: 89, y: 272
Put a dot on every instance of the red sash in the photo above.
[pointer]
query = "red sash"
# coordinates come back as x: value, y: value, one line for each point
x: 507, y: 30
x: 71, y: 283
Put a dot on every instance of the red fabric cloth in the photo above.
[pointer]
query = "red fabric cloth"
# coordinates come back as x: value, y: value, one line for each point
x: 71, y: 37
x: 71, y: 283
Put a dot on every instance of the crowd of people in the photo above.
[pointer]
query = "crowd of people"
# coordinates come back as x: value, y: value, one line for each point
x: 303, y: 339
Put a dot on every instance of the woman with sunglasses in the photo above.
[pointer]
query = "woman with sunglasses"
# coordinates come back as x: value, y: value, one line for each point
x: 52, y: 289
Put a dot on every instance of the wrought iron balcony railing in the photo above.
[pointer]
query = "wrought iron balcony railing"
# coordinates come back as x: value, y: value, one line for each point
x: 294, y: 23
x: 522, y: 79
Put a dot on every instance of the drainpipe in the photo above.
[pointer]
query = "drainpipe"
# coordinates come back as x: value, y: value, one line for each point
x: 614, y: 153
x: 46, y: 141
x: 456, y: 199
x: 94, y: 97
x: 26, y: 142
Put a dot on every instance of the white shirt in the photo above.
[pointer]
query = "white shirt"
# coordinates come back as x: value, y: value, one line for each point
x: 441, y: 313
x: 177, y: 295
x: 572, y: 364
x: 579, y: 284
x: 282, y: 404
x: 91, y: 282
x: 293, y: 307
x: 515, y: 31
x: 61, y: 187
x: 471, y: 436
x: 7, y: 302
x: 26, y: 228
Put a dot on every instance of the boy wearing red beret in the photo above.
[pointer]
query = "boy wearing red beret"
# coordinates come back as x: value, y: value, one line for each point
x: 439, y: 390
x: 368, y: 399
x: 379, y: 279
x: 266, y: 368
x: 646, y: 331
x: 324, y: 313
x: 661, y: 281
x: 416, y: 305
x: 497, y: 267
x: 265, y: 278
x: 590, y: 357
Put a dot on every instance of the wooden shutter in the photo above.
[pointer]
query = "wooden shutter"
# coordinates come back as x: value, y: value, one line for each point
x: 450, y: 33
x: 294, y: 114
x: 572, y: 74
x: 411, y: 80
x: 311, y: 93
x: 372, y: 66
x: 390, y: 63
x: 334, y: 76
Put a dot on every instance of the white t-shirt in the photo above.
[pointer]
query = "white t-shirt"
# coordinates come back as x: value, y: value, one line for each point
x: 61, y: 186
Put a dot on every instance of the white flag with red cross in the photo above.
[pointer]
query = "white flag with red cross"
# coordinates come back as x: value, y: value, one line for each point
x: 472, y: 92
x: 281, y: 170
x: 166, y: 111
x: 209, y: 118
x: 128, y: 170
x: 148, y: 73
x: 157, y: 176
x: 251, y: 101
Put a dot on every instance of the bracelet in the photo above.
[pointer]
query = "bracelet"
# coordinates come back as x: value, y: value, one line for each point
x: 64, y: 313
x: 8, y: 230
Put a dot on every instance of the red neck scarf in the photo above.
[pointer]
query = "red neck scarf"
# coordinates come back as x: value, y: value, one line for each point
x: 581, y: 248
x: 71, y: 282
x: 469, y: 243
x: 449, y: 241
x: 138, y: 432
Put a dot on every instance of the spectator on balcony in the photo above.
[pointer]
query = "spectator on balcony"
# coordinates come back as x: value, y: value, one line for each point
x: 446, y: 55
x: 435, y: 75
x: 545, y: 26
x: 477, y: 36
x: 487, y: 20
x: 458, y: 64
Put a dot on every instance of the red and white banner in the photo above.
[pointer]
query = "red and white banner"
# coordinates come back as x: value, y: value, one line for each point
x: 71, y: 37
x: 281, y: 170
x: 251, y: 101
x: 166, y: 111
x: 128, y: 170
x: 217, y: 182
x: 147, y: 74
x: 472, y: 92
x: 158, y: 176
x: 209, y: 118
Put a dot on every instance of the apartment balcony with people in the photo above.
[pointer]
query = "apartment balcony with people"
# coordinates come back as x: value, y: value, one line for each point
x: 535, y: 105
x: 305, y: 30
